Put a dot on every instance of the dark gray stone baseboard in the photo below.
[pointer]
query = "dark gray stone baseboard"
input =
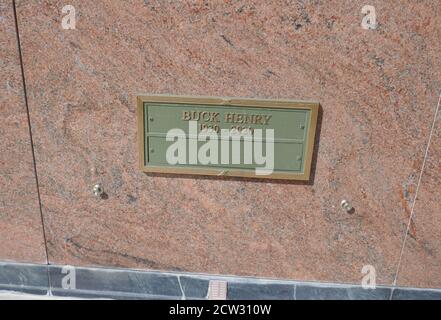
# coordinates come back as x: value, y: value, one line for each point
x: 106, y: 283
x: 32, y: 279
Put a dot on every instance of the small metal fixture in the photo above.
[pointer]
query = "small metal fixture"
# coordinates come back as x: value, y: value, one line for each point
x: 98, y: 190
x: 346, y: 205
x: 217, y: 290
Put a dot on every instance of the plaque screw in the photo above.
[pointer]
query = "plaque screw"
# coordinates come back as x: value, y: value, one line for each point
x: 98, y: 190
x: 346, y: 205
x: 299, y: 157
x: 302, y: 126
x: 151, y: 118
x: 152, y: 150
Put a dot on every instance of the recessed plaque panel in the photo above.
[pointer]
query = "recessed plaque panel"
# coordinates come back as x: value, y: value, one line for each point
x: 226, y: 136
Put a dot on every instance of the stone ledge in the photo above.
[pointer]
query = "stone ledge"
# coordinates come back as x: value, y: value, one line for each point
x: 107, y: 283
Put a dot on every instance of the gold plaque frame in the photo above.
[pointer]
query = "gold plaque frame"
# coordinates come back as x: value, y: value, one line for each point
x: 230, y: 102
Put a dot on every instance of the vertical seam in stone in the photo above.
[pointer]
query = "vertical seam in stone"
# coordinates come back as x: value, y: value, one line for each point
x: 416, y: 192
x: 391, y: 293
x: 30, y: 136
x: 182, y: 290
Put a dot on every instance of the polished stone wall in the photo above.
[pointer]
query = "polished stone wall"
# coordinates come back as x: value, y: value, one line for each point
x: 21, y: 234
x: 421, y: 264
x: 378, y: 91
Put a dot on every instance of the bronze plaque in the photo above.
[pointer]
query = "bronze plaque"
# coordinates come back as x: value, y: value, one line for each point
x: 226, y: 136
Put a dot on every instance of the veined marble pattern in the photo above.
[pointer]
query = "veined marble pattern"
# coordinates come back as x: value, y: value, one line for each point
x: 21, y: 234
x: 377, y: 89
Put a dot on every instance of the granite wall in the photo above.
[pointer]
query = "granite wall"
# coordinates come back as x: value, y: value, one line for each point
x: 21, y: 234
x: 378, y: 89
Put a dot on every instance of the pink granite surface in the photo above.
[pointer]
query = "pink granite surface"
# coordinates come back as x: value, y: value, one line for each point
x: 421, y: 262
x: 377, y: 89
x: 21, y: 235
